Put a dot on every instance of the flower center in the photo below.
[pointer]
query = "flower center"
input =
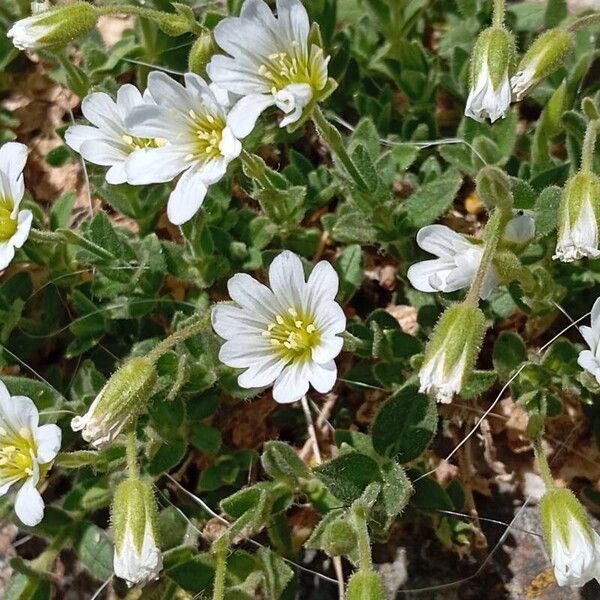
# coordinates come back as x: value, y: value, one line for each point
x: 137, y: 143
x: 16, y: 454
x: 293, y: 334
x: 8, y: 225
x: 281, y: 69
x: 208, y: 134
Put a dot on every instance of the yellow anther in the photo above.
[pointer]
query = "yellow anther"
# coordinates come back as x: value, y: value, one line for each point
x: 298, y: 324
x: 293, y: 311
x: 310, y: 328
x: 279, y: 319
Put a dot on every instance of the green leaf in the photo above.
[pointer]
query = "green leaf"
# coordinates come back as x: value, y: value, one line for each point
x: 509, y: 353
x: 277, y: 572
x: 206, y: 439
x: 169, y: 455
x: 349, y: 267
x: 95, y: 551
x: 404, y: 425
x: 546, y: 210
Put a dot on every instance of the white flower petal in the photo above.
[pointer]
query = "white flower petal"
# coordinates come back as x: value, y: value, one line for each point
x: 29, y: 505
x: 230, y: 321
x: 243, y: 116
x: 323, y: 376
x: 187, y: 197
x: 286, y: 277
x: 241, y: 352
x: 154, y: 165
x: 292, y: 383
x: 253, y: 296
x: 329, y: 347
x: 48, y: 439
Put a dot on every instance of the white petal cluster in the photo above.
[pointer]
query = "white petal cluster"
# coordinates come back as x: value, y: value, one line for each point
x: 590, y: 359
x: 486, y: 101
x: 138, y: 566
x: 579, y: 239
x: 27, y: 33
x: 456, y: 265
x: 26, y: 451
x: 286, y: 335
x: 435, y: 381
x: 279, y: 67
x: 523, y: 80
x: 199, y: 141
x: 109, y: 143
x: 14, y: 223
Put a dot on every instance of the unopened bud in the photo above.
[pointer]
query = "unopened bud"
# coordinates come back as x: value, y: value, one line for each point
x: 578, y: 220
x: 452, y: 351
x: 365, y: 585
x: 120, y: 401
x: 201, y: 52
x: 493, y: 187
x: 137, y: 558
x: 339, y: 538
x: 175, y: 24
x: 55, y: 27
x: 492, y: 58
x: 547, y: 53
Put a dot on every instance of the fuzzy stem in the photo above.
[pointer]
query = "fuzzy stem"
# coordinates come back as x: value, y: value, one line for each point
x: 220, y: 571
x: 364, y: 543
x: 498, y: 18
x: 582, y: 22
x: 589, y: 143
x: 336, y: 144
x: 312, y: 433
x: 179, y: 336
x: 542, y: 462
x: 132, y: 463
x: 493, y: 232
x: 48, y: 237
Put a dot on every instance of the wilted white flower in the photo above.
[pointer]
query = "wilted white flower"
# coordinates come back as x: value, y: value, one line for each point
x: 456, y: 265
x: 544, y: 56
x: 109, y: 143
x: 286, y: 335
x: 14, y: 223
x: 520, y: 229
x: 590, y: 359
x: 452, y: 351
x: 573, y: 545
x: 54, y: 27
x: 119, y: 402
x: 200, y: 141
x: 578, y: 221
x: 490, y: 93
x: 137, y: 558
x: 26, y: 452
x: 274, y: 61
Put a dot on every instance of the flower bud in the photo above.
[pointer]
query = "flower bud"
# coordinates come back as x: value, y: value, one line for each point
x: 573, y: 545
x: 578, y: 220
x: 493, y: 187
x: 547, y: 53
x: 492, y: 57
x: 339, y: 538
x: 365, y: 585
x: 137, y: 559
x: 202, y: 51
x: 55, y: 27
x: 451, y: 352
x: 121, y: 400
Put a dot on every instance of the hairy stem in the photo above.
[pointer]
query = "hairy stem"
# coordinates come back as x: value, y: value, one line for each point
x: 220, y: 570
x: 586, y: 21
x: 132, y: 462
x: 542, y: 462
x: 589, y: 143
x: 499, y: 9
x: 179, y: 336
x: 336, y: 144
x: 364, y: 543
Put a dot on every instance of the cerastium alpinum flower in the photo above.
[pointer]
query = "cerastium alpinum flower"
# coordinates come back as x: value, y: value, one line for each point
x: 27, y: 450
x: 573, y: 545
x: 137, y: 559
x: 14, y: 223
x: 272, y: 61
x: 108, y: 142
x: 590, y: 359
x: 54, y: 27
x: 287, y: 335
x: 200, y: 141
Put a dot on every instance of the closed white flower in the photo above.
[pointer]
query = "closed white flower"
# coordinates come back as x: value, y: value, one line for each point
x: 579, y: 214
x: 490, y: 93
x: 108, y: 143
x: 14, y: 223
x: 200, y: 143
x: 27, y: 450
x: 590, y: 359
x: 456, y: 265
x: 573, y: 545
x: 137, y: 559
x: 273, y: 61
x: 288, y: 335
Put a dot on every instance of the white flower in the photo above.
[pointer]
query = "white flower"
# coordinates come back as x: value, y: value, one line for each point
x: 26, y: 451
x: 200, y: 141
x: 522, y: 81
x: 451, y: 352
x: 287, y: 334
x: 456, y: 265
x: 109, y: 143
x: 573, y: 545
x: 53, y: 27
x: 14, y: 223
x: 520, y: 229
x: 137, y: 559
x: 590, y: 359
x: 486, y: 101
x: 272, y: 62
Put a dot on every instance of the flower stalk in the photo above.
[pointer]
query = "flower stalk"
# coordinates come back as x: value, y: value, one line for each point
x: 499, y: 10
x: 589, y: 143
x: 586, y: 21
x: 220, y: 572
x: 179, y: 336
x: 132, y: 463
x: 336, y: 144
x: 543, y: 465
x: 364, y: 543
